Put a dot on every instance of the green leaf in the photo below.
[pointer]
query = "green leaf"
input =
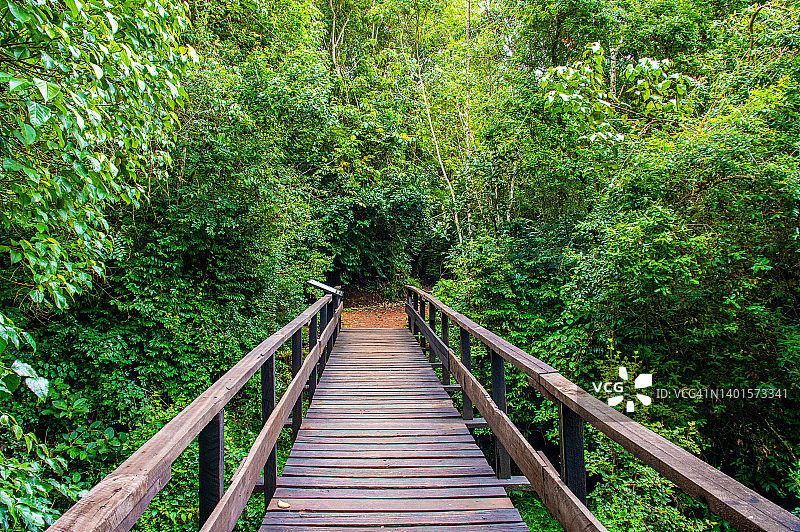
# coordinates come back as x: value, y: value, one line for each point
x: 28, y: 134
x: 16, y: 85
x: 11, y: 164
x: 46, y: 89
x: 16, y: 256
x: 39, y: 386
x: 22, y: 369
x: 11, y: 381
x: 98, y: 72
x: 75, y: 7
x: 19, y: 13
x: 39, y: 114
x: 113, y: 22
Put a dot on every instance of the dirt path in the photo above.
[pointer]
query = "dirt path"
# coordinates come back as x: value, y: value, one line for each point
x: 388, y: 315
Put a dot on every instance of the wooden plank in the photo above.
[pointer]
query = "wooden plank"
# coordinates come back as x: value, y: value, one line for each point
x: 419, y: 446
x: 397, y: 493
x: 385, y: 463
x: 384, y: 453
x: 385, y: 440
x: 369, y: 504
x: 388, y: 482
x: 387, y: 436
x: 503, y: 527
x: 392, y: 518
x: 386, y: 424
x: 377, y: 416
x: 399, y: 472
x: 516, y: 483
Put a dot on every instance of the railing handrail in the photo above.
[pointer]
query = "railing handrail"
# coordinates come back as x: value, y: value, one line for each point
x: 565, y: 506
x: 742, y: 507
x: 117, y: 501
x: 230, y: 507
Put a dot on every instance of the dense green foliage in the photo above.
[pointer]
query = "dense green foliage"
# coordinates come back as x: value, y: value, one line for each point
x: 602, y: 182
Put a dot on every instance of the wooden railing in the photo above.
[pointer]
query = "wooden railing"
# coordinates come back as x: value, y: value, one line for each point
x: 120, y: 498
x: 564, y: 494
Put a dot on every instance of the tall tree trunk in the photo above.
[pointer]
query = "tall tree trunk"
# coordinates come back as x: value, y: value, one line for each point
x: 467, y: 125
x: 439, y: 155
x: 612, y: 71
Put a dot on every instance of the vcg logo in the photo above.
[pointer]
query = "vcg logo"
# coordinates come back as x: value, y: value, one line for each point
x: 617, y: 389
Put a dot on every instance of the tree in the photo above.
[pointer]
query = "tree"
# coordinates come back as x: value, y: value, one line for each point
x: 87, y: 114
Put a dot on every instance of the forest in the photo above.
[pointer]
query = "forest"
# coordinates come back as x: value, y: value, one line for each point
x: 601, y: 182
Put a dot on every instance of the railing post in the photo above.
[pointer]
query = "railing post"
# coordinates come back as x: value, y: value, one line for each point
x: 267, y: 406
x: 446, y: 340
x: 422, y: 342
x: 466, y: 359
x: 312, y: 341
x: 432, y: 323
x: 331, y: 313
x: 573, y: 465
x: 323, y: 324
x: 337, y: 299
x: 415, y: 306
x: 408, y: 303
x: 211, y: 441
x: 502, y: 459
x: 297, y: 362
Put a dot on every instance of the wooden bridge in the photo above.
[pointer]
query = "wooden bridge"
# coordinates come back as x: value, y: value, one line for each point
x: 381, y: 445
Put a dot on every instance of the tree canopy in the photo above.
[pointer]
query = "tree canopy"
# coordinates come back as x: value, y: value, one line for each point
x: 604, y: 183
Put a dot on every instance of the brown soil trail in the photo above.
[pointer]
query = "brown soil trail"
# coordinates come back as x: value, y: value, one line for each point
x: 383, y: 315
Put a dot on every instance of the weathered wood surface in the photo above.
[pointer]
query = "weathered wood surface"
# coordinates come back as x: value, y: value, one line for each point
x: 120, y: 498
x: 740, y: 506
x: 383, y: 446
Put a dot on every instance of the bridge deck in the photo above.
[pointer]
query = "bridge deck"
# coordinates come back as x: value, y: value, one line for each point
x: 382, y: 447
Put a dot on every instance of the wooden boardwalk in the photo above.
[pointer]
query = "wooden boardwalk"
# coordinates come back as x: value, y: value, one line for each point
x: 382, y: 447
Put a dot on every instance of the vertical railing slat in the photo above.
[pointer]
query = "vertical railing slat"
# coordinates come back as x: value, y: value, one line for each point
x: 312, y: 341
x: 267, y: 406
x: 211, y: 442
x: 422, y: 305
x: 573, y: 464
x: 466, y: 359
x: 502, y: 458
x: 297, y: 362
x: 446, y: 340
x: 432, y: 324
